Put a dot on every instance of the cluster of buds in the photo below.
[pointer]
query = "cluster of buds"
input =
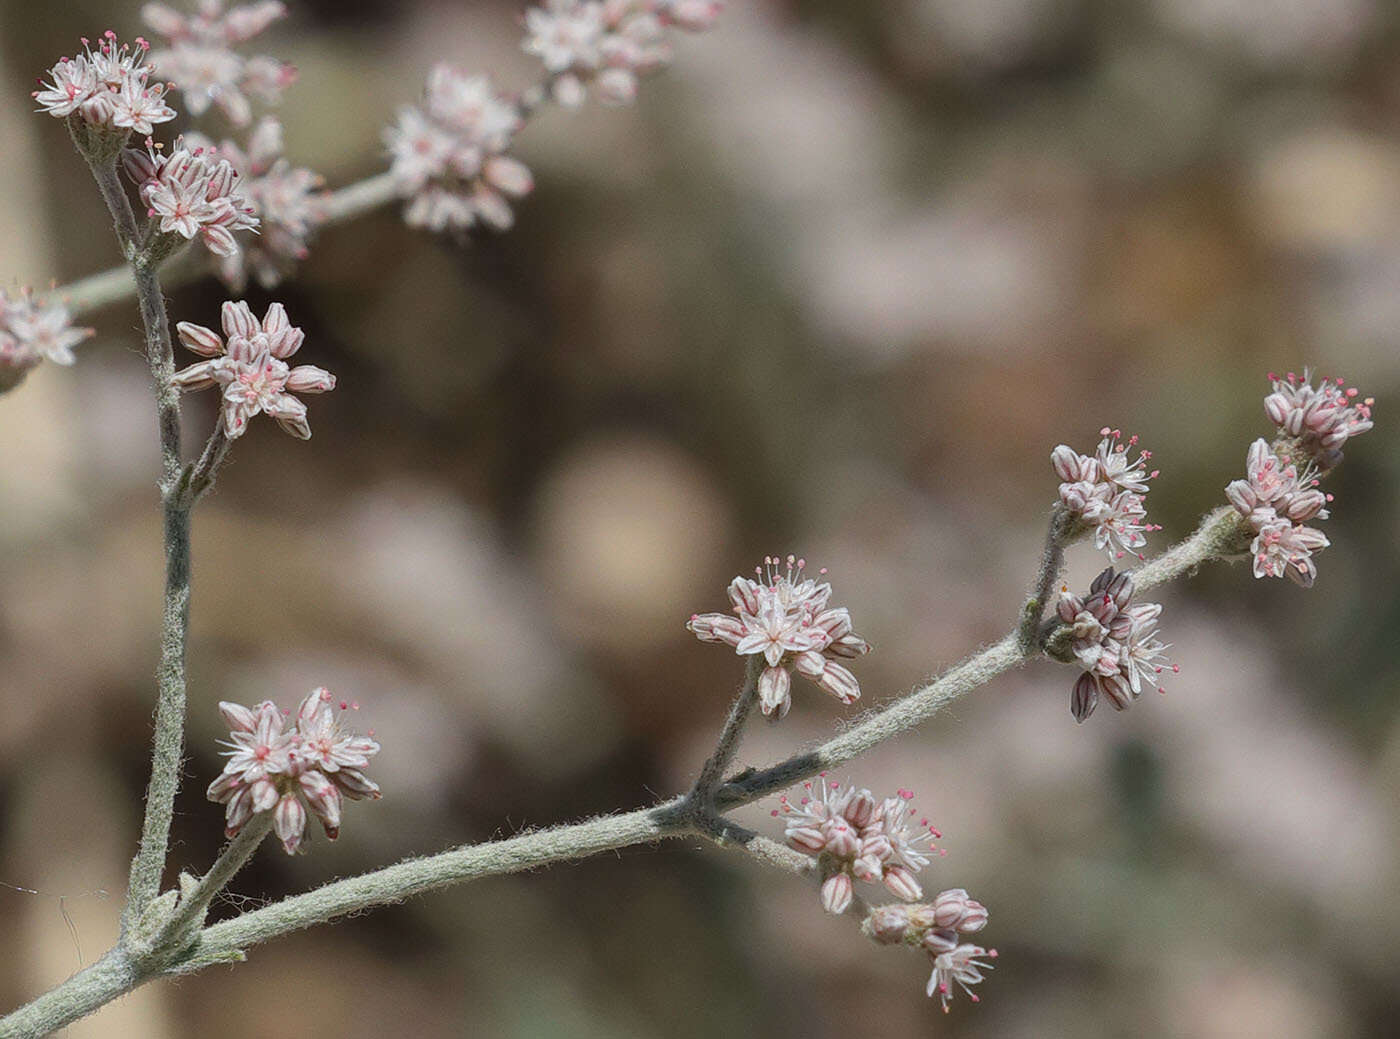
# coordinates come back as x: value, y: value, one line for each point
x: 1279, y: 494
x: 936, y: 928
x: 312, y: 765
x: 448, y: 156
x: 286, y: 200
x: 1277, y: 502
x: 251, y: 368
x: 201, y: 60
x: 1105, y: 491
x: 1316, y: 420
x: 33, y: 330
x: 785, y: 617
x: 1114, y: 641
x: 608, y: 44
x: 190, y: 192
x: 857, y: 837
x: 105, y: 93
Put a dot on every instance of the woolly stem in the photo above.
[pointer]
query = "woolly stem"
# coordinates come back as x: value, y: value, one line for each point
x: 89, y: 989
x: 702, y: 793
x: 230, y: 861
x: 1052, y: 557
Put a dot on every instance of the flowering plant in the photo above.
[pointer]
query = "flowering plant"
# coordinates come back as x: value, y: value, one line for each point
x: 239, y: 207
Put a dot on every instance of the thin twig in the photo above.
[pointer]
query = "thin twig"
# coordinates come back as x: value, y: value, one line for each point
x: 702, y: 793
x: 91, y: 988
x: 230, y: 861
x: 1052, y: 557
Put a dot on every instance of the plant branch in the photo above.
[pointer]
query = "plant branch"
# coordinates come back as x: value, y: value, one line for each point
x: 147, y: 867
x: 194, y: 903
x: 202, y: 474
x: 1219, y: 535
x: 1052, y: 557
x: 702, y: 793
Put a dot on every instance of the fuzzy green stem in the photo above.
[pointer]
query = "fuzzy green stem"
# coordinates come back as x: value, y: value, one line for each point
x: 1052, y: 557
x: 1218, y: 535
x: 702, y: 793
x: 238, y: 851
x: 88, y: 990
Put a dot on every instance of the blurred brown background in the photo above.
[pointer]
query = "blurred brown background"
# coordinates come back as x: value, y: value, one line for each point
x: 837, y: 285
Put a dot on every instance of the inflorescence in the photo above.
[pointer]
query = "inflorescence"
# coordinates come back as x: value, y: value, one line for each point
x: 203, y: 64
x: 34, y: 330
x: 311, y: 765
x: 251, y: 368
x: 1280, y: 492
x: 287, y: 201
x: 785, y: 616
x: 856, y: 836
x: 1114, y: 641
x: 105, y: 93
x: 1106, y: 491
x: 936, y: 929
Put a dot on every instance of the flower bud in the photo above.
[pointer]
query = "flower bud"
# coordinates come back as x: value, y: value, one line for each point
x: 837, y: 893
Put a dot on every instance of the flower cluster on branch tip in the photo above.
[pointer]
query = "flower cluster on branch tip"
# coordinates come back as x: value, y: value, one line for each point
x: 936, y: 929
x: 251, y: 368
x: 190, y: 192
x: 785, y: 617
x: 449, y: 156
x: 34, y: 330
x: 1277, y: 498
x: 200, y: 59
x: 310, y: 766
x: 105, y: 93
x: 859, y: 837
x: 287, y: 201
x: 608, y: 44
x: 1106, y: 491
x: 1114, y: 640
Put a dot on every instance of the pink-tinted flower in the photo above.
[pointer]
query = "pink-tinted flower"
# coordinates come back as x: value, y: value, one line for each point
x: 287, y: 201
x: 785, y: 617
x: 857, y: 837
x: 1114, y: 641
x: 1106, y: 491
x: 607, y: 44
x: 311, y: 766
x: 191, y: 192
x: 1318, y: 420
x: 1277, y: 500
x: 936, y: 929
x: 205, y: 68
x: 963, y: 965
x: 107, y: 88
x: 34, y: 330
x: 448, y: 155
x: 251, y: 368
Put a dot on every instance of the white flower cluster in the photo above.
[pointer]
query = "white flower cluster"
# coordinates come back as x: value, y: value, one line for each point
x: 1318, y: 419
x: 1106, y: 490
x: 448, y: 155
x: 190, y: 193
x: 251, y: 369
x: 608, y: 44
x: 33, y: 330
x: 935, y: 928
x: 287, y: 200
x: 203, y: 64
x: 1114, y: 641
x: 858, y: 837
x: 1279, y: 494
x: 312, y: 765
x: 106, y: 89
x: 785, y: 617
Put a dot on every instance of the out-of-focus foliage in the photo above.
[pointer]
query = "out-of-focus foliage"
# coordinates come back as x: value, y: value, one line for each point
x: 837, y: 283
